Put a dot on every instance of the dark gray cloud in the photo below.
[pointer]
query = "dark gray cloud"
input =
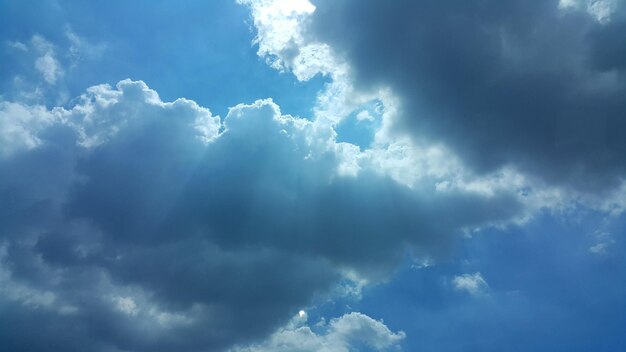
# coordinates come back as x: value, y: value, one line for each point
x: 130, y: 224
x: 525, y: 83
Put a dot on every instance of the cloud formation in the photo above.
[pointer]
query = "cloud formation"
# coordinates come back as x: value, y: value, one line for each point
x: 46, y: 63
x: 350, y: 332
x: 130, y: 223
x: 534, y: 85
x: 137, y: 224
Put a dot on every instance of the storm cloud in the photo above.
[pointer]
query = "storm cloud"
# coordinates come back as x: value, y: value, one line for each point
x: 537, y: 85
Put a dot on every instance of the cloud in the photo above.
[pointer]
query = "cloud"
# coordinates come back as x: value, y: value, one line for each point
x: 350, y: 332
x: 157, y: 226
x: 80, y: 48
x: 414, y: 155
x: 501, y: 83
x: 599, y: 248
x: 604, y: 241
x: 281, y: 41
x: 40, y: 71
x: 600, y: 9
x: 474, y: 284
x: 17, y: 45
x: 19, y: 126
x: 47, y: 63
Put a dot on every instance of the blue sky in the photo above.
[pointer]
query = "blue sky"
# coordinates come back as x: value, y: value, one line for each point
x: 269, y: 175
x: 182, y: 50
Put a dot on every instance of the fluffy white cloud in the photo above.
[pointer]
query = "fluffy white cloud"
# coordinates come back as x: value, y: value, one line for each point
x: 104, y: 112
x: 350, y: 332
x: 19, y: 126
x: 282, y: 42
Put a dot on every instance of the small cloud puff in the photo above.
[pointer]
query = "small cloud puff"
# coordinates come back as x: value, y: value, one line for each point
x: 47, y: 63
x: 474, y: 284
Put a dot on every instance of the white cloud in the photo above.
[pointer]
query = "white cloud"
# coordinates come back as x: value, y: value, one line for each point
x: 96, y: 119
x: 284, y: 43
x: 600, y: 248
x: 604, y: 241
x: 47, y: 63
x: 19, y: 126
x: 350, y: 332
x: 17, y: 45
x: 51, y: 62
x: 474, y: 284
x: 601, y: 10
x: 126, y: 305
x: 49, y: 67
x: 280, y: 38
x: 364, y: 116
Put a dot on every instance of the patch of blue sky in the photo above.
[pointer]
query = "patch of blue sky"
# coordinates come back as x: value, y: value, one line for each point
x: 200, y: 50
x: 361, y: 125
x: 548, y: 285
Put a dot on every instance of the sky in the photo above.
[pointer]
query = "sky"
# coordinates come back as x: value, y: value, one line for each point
x: 298, y: 176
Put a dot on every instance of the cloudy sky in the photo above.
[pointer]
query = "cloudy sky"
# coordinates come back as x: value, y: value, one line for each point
x: 295, y: 176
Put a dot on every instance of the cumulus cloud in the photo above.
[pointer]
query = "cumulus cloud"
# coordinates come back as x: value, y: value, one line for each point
x: 151, y: 225
x: 350, y: 332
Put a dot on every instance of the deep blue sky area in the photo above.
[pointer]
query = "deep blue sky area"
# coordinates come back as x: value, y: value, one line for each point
x: 452, y: 176
x: 545, y: 293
